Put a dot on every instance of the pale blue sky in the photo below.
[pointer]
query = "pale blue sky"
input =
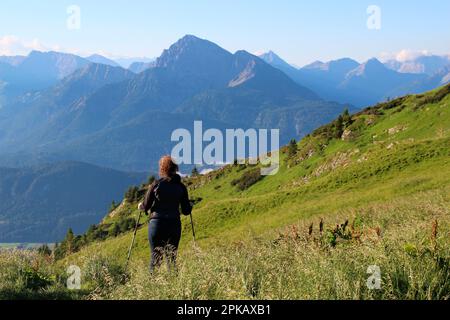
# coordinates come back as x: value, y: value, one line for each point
x: 300, y: 31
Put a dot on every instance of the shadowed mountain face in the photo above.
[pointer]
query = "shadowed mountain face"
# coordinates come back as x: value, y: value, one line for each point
x: 192, y: 80
x: 40, y: 116
x: 39, y: 204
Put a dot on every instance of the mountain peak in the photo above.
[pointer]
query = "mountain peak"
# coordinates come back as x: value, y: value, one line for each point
x: 190, y: 38
x: 275, y: 60
x: 271, y: 57
x: 374, y: 62
x: 190, y: 41
x: 370, y: 66
x: 189, y: 52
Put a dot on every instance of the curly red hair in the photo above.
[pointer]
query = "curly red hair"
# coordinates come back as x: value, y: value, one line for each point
x: 167, y: 167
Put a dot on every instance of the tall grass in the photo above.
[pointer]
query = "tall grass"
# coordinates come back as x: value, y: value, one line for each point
x: 398, y: 237
x: 25, y: 274
x: 408, y: 239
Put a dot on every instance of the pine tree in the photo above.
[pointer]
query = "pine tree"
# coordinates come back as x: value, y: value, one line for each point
x: 58, y: 251
x: 69, y: 241
x: 113, y: 206
x: 346, y: 118
x: 339, y: 127
x: 292, y: 149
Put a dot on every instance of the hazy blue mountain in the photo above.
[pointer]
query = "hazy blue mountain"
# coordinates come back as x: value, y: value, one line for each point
x: 347, y: 81
x: 39, y: 204
x: 325, y: 78
x: 273, y: 59
x: 37, y: 71
x: 96, y: 58
x: 440, y: 78
x: 372, y: 82
x: 54, y: 65
x: 40, y: 116
x: 424, y: 64
x: 335, y: 70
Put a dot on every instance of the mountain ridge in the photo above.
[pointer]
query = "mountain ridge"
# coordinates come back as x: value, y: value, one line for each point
x: 186, y: 73
x: 347, y: 81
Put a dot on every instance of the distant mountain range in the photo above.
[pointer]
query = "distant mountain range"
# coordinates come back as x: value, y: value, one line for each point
x: 39, y: 204
x: 57, y: 106
x: 111, y: 117
x: 37, y: 71
x: 347, y: 81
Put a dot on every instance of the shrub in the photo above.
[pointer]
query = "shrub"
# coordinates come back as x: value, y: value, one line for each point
x: 248, y: 179
x: 34, y: 279
x: 433, y: 98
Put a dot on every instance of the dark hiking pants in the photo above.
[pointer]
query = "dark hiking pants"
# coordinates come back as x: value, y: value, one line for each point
x: 164, y: 237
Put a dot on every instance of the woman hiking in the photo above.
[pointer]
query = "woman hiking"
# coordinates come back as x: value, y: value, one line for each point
x: 163, y: 200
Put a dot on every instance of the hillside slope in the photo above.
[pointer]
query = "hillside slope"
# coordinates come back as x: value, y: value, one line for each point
x: 387, y: 151
x: 367, y: 189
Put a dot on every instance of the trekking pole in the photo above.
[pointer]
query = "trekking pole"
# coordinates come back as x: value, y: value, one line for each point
x: 193, y: 230
x: 134, y: 238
